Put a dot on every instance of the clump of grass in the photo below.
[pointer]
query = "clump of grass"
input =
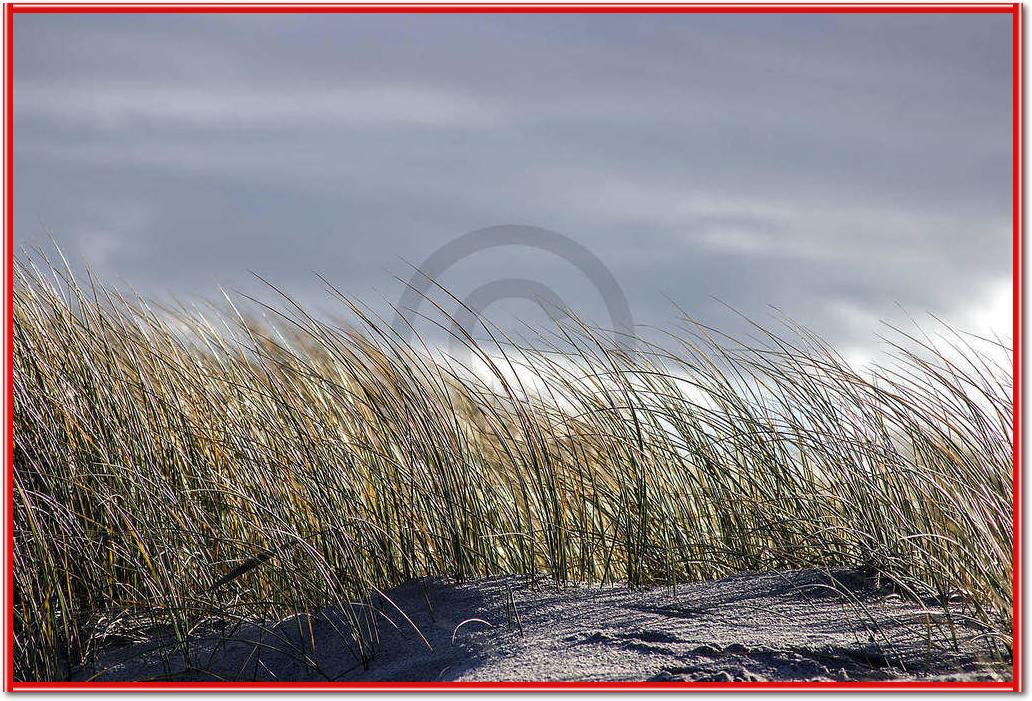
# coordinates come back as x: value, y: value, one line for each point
x: 172, y: 468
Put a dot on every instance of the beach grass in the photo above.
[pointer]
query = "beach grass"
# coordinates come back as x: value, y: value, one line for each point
x: 177, y: 466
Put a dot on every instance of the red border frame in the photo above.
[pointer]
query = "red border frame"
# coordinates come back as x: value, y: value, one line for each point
x: 1013, y: 9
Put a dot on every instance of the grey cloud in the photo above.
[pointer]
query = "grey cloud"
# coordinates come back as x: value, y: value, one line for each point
x: 819, y: 163
x: 118, y: 107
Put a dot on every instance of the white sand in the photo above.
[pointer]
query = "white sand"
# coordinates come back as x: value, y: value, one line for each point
x: 779, y: 626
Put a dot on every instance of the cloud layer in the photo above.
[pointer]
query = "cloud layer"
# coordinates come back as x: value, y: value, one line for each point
x: 833, y: 166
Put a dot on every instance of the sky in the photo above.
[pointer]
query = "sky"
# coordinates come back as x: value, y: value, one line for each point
x: 843, y: 169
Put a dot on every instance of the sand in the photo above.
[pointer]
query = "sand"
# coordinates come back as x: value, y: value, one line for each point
x: 777, y: 626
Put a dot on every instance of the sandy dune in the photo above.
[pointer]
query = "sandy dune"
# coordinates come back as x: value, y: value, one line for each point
x: 776, y: 626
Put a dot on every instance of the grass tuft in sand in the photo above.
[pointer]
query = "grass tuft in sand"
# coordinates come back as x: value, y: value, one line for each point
x: 179, y: 467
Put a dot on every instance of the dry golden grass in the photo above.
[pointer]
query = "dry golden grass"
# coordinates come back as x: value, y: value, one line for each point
x: 174, y: 467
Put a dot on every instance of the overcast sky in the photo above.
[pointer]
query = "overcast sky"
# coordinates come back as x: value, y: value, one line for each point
x: 834, y: 166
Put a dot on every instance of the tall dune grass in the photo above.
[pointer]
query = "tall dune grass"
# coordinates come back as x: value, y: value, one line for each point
x: 172, y: 467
